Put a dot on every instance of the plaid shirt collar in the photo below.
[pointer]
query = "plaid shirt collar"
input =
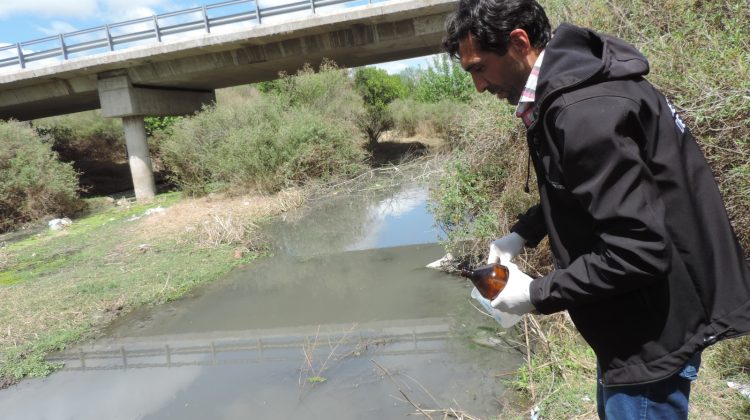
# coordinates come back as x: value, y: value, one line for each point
x: 525, y: 109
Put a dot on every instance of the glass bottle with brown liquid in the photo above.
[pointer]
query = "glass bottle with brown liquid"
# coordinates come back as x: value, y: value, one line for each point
x: 488, y: 279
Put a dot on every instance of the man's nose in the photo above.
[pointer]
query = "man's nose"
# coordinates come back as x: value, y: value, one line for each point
x: 479, y: 83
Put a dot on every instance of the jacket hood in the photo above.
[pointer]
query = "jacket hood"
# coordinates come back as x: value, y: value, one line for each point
x: 577, y: 55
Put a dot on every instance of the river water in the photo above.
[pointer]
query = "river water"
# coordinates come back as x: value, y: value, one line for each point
x: 342, y: 322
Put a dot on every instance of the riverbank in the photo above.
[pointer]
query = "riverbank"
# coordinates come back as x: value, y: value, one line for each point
x: 63, y: 286
x: 334, y: 324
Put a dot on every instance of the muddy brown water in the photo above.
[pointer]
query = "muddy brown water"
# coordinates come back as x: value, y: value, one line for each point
x: 343, y: 322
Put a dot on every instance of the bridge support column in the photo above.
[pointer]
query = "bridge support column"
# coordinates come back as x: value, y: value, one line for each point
x: 120, y: 98
x: 139, y: 159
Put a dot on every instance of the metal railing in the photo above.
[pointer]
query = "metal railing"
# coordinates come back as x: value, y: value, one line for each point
x: 106, y: 36
x: 250, y: 351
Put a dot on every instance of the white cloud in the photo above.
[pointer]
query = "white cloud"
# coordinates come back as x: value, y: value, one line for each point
x: 13, y: 53
x: 119, y: 10
x: 130, y: 13
x: 128, y: 4
x: 8, y: 53
x: 48, y: 8
x: 109, y: 10
x: 57, y: 27
x: 395, y: 67
x: 394, y: 206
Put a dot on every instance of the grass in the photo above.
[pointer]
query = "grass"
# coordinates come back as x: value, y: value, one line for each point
x: 59, y: 287
x: 301, y: 130
x: 559, y: 376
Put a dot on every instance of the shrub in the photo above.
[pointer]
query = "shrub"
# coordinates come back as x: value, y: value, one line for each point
x: 329, y: 91
x: 322, y: 149
x: 33, y: 182
x: 409, y: 78
x: 412, y: 117
x: 482, y: 189
x: 378, y: 89
x: 302, y: 129
x: 373, y: 123
x: 155, y: 124
x: 444, y: 80
x: 84, y: 135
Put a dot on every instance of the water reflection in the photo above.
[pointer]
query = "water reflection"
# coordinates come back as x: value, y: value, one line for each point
x: 293, y: 336
x: 377, y: 219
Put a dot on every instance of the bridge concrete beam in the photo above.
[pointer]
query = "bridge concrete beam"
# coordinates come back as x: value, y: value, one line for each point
x: 120, y: 98
x: 351, y: 37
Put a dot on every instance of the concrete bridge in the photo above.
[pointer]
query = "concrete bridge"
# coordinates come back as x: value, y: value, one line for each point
x: 177, y: 77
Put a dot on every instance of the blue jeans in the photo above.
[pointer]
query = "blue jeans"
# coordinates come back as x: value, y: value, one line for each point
x: 666, y: 399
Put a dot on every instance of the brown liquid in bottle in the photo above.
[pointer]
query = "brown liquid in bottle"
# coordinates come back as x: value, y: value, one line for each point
x: 488, y: 279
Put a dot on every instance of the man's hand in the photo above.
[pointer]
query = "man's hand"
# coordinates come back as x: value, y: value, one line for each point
x: 515, y: 297
x: 504, y: 319
x: 506, y: 248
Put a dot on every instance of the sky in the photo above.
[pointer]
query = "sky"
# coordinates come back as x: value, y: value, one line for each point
x: 24, y: 20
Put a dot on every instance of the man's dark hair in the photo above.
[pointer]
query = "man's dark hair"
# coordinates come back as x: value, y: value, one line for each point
x: 491, y: 22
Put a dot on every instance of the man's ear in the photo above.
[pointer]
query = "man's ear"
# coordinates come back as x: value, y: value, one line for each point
x: 519, y: 43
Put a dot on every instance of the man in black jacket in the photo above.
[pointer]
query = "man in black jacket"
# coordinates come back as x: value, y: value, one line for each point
x: 647, y: 263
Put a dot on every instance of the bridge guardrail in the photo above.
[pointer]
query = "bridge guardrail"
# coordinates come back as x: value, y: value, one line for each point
x: 108, y: 38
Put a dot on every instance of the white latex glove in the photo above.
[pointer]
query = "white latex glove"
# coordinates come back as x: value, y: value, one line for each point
x: 515, y: 297
x: 504, y: 319
x: 506, y: 248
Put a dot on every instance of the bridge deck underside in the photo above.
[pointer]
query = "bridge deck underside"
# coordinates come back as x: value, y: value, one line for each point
x: 410, y: 30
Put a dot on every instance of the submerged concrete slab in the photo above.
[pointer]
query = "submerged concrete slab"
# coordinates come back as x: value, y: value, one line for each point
x: 351, y: 37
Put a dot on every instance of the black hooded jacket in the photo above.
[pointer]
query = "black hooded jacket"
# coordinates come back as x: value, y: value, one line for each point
x: 648, y: 265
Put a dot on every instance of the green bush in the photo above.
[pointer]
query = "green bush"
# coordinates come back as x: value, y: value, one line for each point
x: 84, y: 135
x: 409, y: 78
x: 444, y: 80
x: 481, y: 191
x: 412, y: 117
x: 155, y: 124
x: 33, y: 182
x: 373, y: 123
x: 302, y: 129
x: 378, y: 89
x: 328, y: 91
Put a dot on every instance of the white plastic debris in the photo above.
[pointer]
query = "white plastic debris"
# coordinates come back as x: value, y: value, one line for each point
x: 57, y: 224
x: 156, y: 210
x: 743, y: 389
x: 535, y: 412
x: 441, y: 263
